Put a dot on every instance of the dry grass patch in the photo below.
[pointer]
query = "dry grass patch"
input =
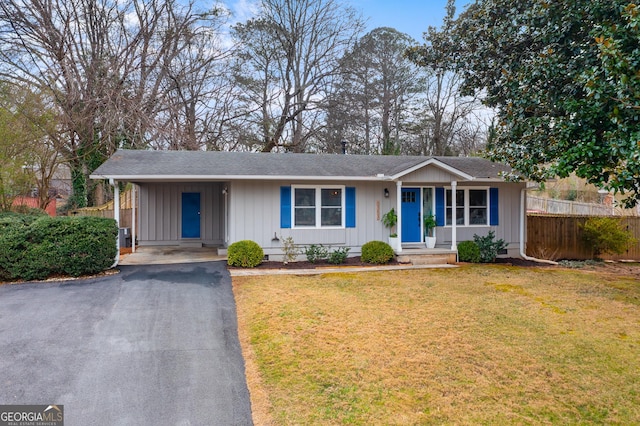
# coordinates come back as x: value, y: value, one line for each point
x: 478, y: 344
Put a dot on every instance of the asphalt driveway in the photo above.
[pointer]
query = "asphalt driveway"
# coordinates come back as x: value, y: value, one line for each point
x: 153, y: 345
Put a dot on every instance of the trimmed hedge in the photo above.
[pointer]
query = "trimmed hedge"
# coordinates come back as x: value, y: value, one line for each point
x: 245, y: 254
x: 468, y: 251
x: 377, y: 252
x: 36, y: 247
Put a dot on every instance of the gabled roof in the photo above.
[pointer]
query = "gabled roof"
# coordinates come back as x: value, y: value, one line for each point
x: 137, y: 165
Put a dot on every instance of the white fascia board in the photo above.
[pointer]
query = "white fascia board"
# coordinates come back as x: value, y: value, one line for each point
x: 436, y: 163
x: 202, y: 178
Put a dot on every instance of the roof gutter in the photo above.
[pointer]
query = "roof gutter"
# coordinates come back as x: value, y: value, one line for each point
x: 523, y: 224
x: 200, y: 178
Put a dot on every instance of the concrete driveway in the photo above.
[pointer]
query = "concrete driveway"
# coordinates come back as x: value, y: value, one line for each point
x: 153, y: 345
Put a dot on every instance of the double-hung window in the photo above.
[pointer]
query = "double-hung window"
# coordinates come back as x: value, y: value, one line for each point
x: 318, y: 207
x: 472, y: 206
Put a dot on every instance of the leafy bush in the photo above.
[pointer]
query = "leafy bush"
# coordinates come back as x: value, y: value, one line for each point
x: 377, y: 252
x: 316, y: 252
x: 488, y: 247
x: 36, y: 249
x: 245, y: 254
x: 468, y: 251
x: 606, y: 235
x: 338, y: 256
x: 290, y: 250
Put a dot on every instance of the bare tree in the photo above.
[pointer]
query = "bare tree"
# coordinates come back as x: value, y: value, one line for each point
x: 289, y: 55
x: 453, y: 123
x: 104, y: 64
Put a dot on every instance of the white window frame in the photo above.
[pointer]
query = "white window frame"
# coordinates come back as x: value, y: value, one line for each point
x: 466, y: 189
x: 318, y: 206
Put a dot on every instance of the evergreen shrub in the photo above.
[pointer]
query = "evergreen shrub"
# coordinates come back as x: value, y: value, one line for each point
x: 245, y: 254
x: 377, y: 252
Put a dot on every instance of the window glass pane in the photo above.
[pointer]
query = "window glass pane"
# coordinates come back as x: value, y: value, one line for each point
x: 460, y: 215
x: 478, y: 197
x: 332, y: 197
x: 459, y: 207
x: 478, y: 216
x: 331, y: 216
x: 305, y: 216
x: 305, y: 197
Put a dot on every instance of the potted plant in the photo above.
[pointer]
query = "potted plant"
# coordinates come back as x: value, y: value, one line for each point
x: 390, y: 219
x: 429, y: 230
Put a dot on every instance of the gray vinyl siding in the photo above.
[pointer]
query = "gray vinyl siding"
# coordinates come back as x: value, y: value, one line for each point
x: 255, y: 211
x: 161, y: 216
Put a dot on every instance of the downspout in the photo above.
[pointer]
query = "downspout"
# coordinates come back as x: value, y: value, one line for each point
x: 116, y: 216
x: 523, y: 225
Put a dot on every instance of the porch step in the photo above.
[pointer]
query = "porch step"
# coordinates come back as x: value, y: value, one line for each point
x: 427, y: 258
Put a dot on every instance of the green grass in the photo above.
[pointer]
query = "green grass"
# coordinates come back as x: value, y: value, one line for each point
x: 472, y: 345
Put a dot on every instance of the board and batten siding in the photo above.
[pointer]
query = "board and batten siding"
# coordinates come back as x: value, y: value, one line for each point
x: 161, y: 215
x: 254, y: 209
x: 430, y: 174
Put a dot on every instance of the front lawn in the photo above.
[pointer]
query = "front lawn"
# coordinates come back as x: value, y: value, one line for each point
x: 473, y: 345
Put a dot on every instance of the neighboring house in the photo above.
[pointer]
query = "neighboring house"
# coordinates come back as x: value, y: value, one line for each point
x: 217, y: 198
x: 34, y: 203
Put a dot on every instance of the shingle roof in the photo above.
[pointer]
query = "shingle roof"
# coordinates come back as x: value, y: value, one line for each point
x: 137, y: 164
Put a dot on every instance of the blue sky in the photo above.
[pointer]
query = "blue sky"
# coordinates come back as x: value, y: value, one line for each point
x: 408, y: 16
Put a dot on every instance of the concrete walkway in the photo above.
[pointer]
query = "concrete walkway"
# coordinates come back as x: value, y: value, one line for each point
x: 167, y: 255
x: 330, y: 270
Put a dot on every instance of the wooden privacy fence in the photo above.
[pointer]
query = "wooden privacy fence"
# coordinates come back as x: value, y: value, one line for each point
x: 106, y: 210
x: 560, y: 237
x: 125, y: 215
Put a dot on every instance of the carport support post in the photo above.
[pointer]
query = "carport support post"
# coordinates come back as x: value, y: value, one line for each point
x: 133, y: 218
x: 116, y: 216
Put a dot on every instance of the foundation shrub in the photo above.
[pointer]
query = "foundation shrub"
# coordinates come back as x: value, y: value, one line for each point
x: 316, y: 253
x: 377, y: 252
x: 468, y: 251
x: 489, y: 246
x: 245, y: 254
x: 338, y: 256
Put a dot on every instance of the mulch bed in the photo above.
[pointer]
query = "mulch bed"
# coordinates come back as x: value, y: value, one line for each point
x: 303, y: 264
x: 356, y: 261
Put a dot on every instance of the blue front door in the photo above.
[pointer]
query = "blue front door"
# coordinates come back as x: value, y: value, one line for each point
x: 190, y: 215
x: 411, y: 215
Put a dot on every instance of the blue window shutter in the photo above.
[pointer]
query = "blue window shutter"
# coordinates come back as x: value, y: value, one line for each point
x: 285, y: 207
x: 440, y: 216
x: 350, y: 208
x: 493, y: 206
